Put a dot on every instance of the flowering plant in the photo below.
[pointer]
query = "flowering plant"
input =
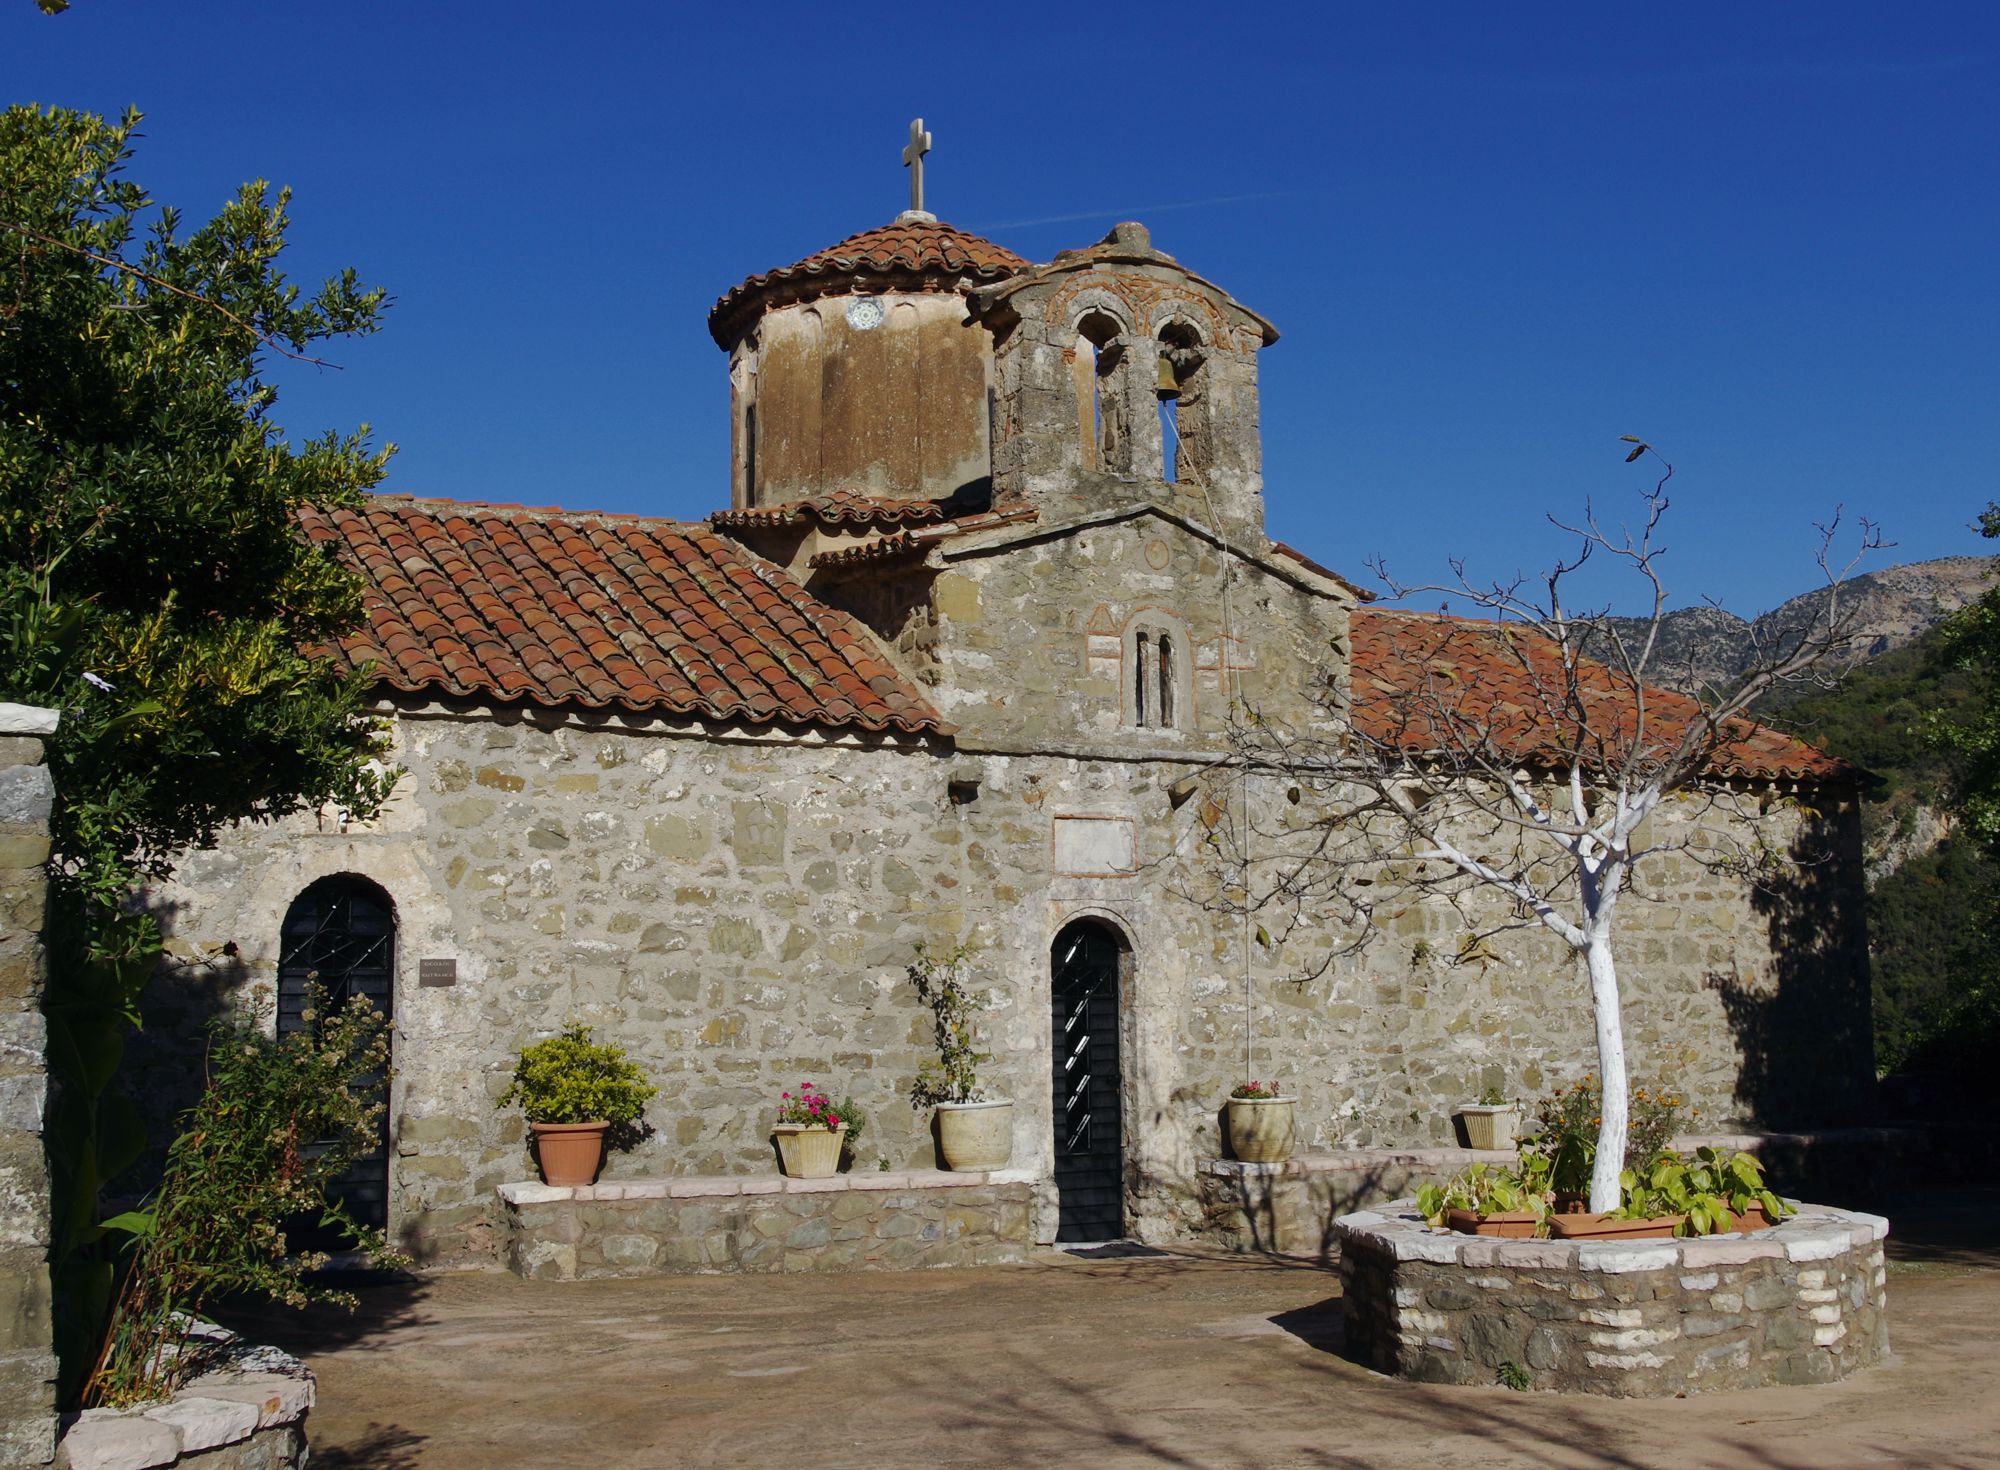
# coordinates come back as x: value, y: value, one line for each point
x: 1258, y: 1090
x: 811, y: 1108
x: 1564, y: 1130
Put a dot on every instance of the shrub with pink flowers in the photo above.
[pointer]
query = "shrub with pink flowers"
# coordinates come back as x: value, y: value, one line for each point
x: 810, y: 1108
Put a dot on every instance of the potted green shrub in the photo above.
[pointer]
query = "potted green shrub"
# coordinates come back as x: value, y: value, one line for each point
x: 812, y: 1130
x: 1490, y: 1199
x: 1261, y: 1123
x: 1491, y: 1122
x: 580, y: 1098
x: 1712, y: 1191
x: 974, y: 1131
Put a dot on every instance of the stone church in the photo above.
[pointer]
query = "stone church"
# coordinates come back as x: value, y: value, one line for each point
x: 952, y: 667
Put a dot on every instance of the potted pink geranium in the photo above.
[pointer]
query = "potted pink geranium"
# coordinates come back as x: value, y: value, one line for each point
x: 812, y: 1129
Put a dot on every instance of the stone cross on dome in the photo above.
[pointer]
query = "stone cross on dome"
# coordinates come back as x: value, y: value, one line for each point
x: 913, y: 160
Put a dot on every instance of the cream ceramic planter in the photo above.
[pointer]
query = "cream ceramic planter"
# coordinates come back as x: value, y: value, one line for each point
x: 1261, y: 1129
x: 977, y: 1135
x: 1490, y: 1125
x: 809, y: 1152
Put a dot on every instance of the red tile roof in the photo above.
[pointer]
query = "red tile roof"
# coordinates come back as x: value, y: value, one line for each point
x: 1414, y: 674
x: 843, y: 507
x: 905, y: 255
x: 577, y: 608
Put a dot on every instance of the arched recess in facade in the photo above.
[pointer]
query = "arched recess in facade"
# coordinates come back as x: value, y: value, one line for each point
x: 339, y: 935
x: 1088, y: 965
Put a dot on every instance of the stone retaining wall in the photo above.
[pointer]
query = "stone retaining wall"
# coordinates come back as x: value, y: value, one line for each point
x: 1291, y: 1207
x: 691, y: 1225
x: 249, y: 1413
x: 1802, y: 1302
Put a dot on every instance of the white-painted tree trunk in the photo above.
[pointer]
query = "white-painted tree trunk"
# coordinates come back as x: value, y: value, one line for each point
x: 1613, y: 1122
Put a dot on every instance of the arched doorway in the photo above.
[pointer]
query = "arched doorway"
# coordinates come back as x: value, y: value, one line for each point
x: 341, y: 934
x: 1084, y: 966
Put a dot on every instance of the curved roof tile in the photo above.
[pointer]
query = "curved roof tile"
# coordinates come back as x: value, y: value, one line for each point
x: 912, y: 253
x: 602, y: 611
x: 1416, y: 675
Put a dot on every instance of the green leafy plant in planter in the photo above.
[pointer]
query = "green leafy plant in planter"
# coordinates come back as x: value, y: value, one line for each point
x: 974, y: 1131
x: 1563, y: 1131
x: 576, y: 1091
x: 1488, y: 1189
x: 1711, y: 1189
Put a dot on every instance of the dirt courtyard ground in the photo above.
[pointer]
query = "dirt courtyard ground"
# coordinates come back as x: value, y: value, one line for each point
x: 1181, y: 1360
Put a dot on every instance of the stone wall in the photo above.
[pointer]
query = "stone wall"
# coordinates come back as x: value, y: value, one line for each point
x: 1290, y: 1208
x: 1802, y: 1302
x: 738, y: 911
x: 27, y: 1360
x: 248, y: 1412
x: 694, y: 1226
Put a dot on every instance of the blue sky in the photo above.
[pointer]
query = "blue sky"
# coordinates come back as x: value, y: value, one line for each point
x: 1494, y: 237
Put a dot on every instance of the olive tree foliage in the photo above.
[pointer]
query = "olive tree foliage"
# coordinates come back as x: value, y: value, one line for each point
x: 153, y: 583
x: 1508, y: 766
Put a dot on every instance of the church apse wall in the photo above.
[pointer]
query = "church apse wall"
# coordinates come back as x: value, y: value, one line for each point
x: 739, y: 914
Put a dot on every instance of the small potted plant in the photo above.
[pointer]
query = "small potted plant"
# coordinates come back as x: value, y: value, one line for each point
x: 974, y: 1131
x: 580, y: 1097
x: 1489, y: 1199
x: 813, y: 1130
x: 1710, y: 1192
x: 1491, y: 1122
x: 1261, y: 1123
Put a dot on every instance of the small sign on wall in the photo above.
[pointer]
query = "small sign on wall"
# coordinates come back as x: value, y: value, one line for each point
x: 437, y: 972
x: 1095, y: 847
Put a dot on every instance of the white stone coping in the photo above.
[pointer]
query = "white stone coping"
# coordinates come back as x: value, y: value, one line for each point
x: 27, y: 719
x: 729, y: 1186
x: 1815, y: 1233
x: 1357, y: 1160
x: 258, y: 1388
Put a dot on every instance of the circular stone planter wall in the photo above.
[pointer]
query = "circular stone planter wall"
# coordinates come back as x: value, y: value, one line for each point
x: 1801, y: 1302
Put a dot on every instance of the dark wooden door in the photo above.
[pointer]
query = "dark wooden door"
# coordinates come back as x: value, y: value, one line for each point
x: 1090, y: 1161
x: 341, y: 934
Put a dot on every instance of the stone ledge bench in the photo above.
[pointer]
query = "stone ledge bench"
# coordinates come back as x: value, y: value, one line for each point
x: 693, y: 1224
x: 1801, y: 1302
x: 1290, y: 1207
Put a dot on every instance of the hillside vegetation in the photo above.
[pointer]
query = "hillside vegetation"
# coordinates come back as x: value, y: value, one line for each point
x: 1933, y: 892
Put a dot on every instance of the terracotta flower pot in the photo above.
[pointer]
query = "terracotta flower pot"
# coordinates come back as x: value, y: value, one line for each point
x: 1590, y: 1226
x: 1261, y: 1129
x: 809, y: 1152
x: 1754, y: 1218
x: 569, y: 1153
x: 978, y: 1135
x: 1507, y: 1224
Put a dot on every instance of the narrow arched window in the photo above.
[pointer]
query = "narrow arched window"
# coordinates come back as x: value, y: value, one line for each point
x: 1183, y: 409
x: 1100, y: 413
x: 1139, y: 673
x: 1156, y: 682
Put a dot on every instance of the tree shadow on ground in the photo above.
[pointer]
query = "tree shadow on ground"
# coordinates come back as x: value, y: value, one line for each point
x: 380, y: 1447
x: 386, y: 1302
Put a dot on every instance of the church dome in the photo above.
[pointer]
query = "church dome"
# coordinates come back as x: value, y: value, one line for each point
x: 915, y: 252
